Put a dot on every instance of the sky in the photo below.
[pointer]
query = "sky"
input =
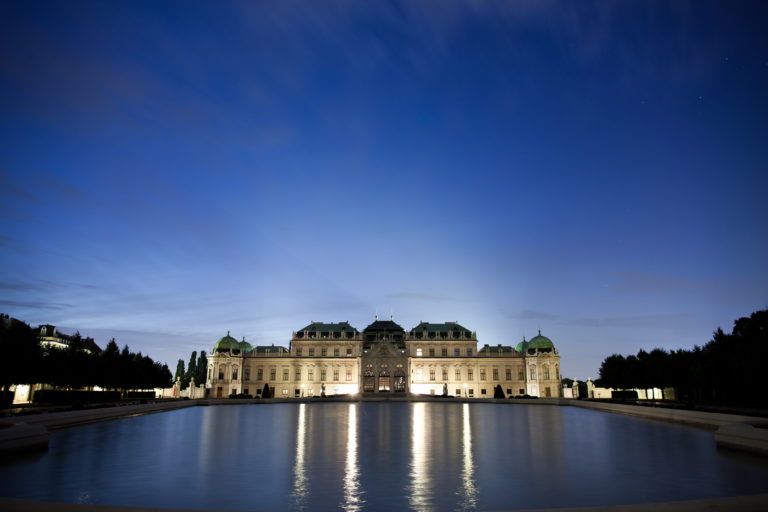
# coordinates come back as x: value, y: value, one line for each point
x: 171, y: 171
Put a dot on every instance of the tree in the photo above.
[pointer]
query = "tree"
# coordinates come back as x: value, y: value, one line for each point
x: 21, y: 355
x: 191, y: 371
x: 266, y: 392
x: 179, y: 370
x: 498, y: 392
x: 202, y: 368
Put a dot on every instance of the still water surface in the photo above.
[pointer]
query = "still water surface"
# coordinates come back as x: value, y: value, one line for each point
x: 381, y: 456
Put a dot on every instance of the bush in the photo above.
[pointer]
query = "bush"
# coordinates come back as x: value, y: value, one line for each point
x: 64, y: 397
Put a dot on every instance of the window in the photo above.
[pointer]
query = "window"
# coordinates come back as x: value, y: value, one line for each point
x: 458, y: 374
x: 509, y: 391
x: 349, y: 351
x: 469, y: 351
x: 431, y: 374
x: 210, y: 371
x: 532, y: 369
x: 444, y: 352
x: 418, y: 352
x: 221, y: 374
x: 349, y: 374
x: 482, y: 374
x: 458, y: 392
x: 431, y: 352
x: 311, y: 375
x: 246, y: 374
x: 311, y: 351
x: 419, y: 374
x: 272, y: 373
x: 260, y: 374
x: 546, y: 372
x: 336, y: 374
x: 457, y: 352
x: 520, y: 373
x: 445, y: 373
x: 285, y: 373
x: 482, y: 391
x: 245, y: 391
x: 297, y: 374
x: 298, y: 351
x: 322, y: 374
x: 508, y: 374
x: 471, y: 392
x: 323, y: 352
x: 234, y: 374
x: 336, y: 352
x: 285, y: 392
x: 470, y: 374
x: 495, y: 374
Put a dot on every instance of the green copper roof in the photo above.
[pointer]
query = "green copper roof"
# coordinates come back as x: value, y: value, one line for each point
x: 442, y: 329
x: 271, y: 349
x: 541, y: 342
x: 226, y: 343
x: 498, y: 349
x: 245, y: 346
x: 332, y: 327
x: 538, y: 342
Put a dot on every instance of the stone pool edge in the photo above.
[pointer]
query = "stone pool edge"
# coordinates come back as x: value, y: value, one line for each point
x: 750, y: 503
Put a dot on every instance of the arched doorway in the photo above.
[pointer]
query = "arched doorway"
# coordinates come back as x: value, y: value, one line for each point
x: 369, y: 380
x: 385, y: 383
x: 399, y: 383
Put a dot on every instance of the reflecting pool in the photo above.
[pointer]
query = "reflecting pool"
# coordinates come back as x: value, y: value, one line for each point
x: 359, y: 457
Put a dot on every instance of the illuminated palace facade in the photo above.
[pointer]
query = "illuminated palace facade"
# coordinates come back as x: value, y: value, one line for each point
x: 430, y: 359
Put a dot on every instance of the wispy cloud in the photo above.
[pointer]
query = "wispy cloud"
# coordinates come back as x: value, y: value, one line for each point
x: 527, y: 314
x: 34, y: 304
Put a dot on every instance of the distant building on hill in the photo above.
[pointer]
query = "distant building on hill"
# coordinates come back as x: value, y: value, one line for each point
x: 429, y: 359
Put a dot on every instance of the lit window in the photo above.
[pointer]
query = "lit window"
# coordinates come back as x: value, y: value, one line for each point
x: 419, y: 374
x: 418, y: 352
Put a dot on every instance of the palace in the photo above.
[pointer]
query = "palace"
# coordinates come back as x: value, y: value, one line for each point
x: 337, y: 359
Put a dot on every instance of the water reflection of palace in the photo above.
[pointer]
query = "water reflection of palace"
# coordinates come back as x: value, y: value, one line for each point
x: 430, y: 359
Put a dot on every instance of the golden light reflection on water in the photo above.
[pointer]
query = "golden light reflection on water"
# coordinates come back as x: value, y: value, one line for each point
x: 300, y: 481
x: 420, y: 488
x: 468, y: 494
x: 353, y: 501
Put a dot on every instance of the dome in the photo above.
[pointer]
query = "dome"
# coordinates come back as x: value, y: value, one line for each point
x: 226, y: 343
x: 245, y: 346
x: 522, y: 346
x: 541, y: 342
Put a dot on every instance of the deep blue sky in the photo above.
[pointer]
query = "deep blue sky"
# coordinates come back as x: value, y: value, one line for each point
x: 174, y: 170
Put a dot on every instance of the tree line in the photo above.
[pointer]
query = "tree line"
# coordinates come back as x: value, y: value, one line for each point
x: 727, y: 369
x: 26, y: 361
x: 197, y: 368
